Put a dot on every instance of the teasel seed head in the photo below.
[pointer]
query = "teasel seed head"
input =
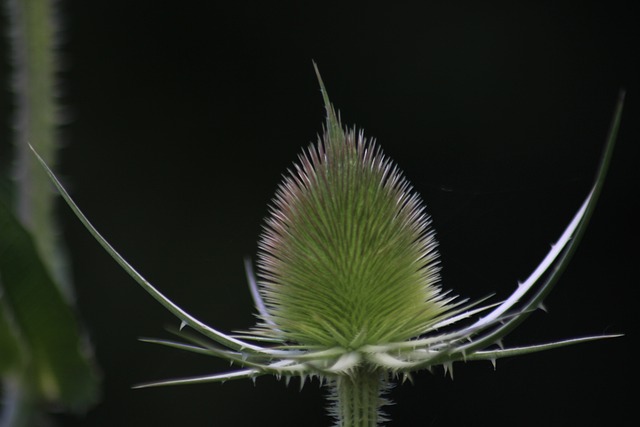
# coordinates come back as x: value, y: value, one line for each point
x: 347, y: 257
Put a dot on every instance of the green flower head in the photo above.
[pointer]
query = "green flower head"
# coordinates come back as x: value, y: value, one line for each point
x: 348, y: 287
x: 347, y: 257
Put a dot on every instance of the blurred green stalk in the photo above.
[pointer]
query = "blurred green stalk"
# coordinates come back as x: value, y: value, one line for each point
x: 33, y: 38
x: 33, y: 34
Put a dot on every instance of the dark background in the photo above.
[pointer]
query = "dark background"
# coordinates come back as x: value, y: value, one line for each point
x: 183, y: 116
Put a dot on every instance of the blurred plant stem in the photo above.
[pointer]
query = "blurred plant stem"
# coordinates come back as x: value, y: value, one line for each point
x: 33, y: 38
x: 33, y: 35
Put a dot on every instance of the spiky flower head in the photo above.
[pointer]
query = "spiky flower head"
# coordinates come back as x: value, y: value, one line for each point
x: 349, y: 286
x: 347, y: 257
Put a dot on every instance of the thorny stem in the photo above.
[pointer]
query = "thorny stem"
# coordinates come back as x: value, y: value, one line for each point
x: 357, y: 398
x: 33, y: 35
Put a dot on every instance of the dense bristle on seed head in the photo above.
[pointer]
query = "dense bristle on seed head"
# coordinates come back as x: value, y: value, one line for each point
x: 347, y: 257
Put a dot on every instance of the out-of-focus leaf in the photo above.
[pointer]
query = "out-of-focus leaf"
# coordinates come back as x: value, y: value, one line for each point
x: 55, y: 354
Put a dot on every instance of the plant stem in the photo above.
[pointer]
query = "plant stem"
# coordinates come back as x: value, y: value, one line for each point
x: 33, y: 35
x: 358, y: 398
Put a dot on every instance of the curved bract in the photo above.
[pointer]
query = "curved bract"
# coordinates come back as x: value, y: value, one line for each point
x: 348, y: 286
